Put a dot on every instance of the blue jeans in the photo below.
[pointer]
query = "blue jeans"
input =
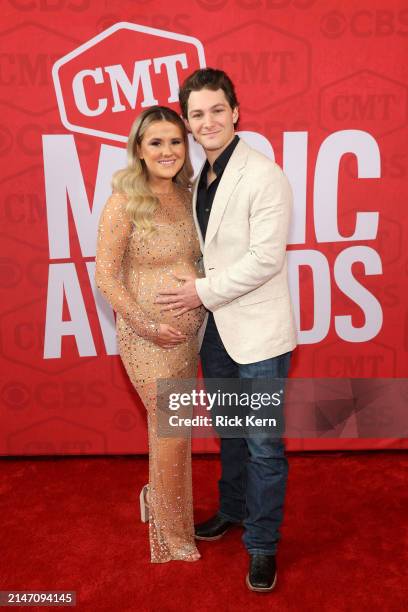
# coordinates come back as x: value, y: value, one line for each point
x: 254, y: 469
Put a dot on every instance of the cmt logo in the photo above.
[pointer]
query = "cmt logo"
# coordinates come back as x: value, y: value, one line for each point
x: 103, y: 84
x: 273, y: 66
x: 365, y: 99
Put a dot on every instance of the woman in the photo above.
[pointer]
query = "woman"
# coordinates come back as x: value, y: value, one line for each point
x: 146, y: 238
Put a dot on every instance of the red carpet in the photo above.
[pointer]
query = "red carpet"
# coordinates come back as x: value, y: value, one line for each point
x: 72, y: 523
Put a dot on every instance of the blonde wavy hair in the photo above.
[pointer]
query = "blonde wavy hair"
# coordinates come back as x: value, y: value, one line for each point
x: 133, y: 180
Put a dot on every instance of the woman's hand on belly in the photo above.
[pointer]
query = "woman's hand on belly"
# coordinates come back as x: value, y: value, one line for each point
x: 188, y: 323
x: 168, y: 336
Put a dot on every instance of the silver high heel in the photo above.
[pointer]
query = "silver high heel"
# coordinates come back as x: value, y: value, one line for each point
x: 144, y: 506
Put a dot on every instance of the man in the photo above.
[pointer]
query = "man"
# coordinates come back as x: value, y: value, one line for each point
x: 241, y: 206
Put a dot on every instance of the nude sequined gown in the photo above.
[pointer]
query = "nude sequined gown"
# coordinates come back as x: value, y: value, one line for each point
x: 131, y: 268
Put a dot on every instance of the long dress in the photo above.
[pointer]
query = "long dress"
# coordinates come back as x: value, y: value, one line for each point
x: 131, y: 269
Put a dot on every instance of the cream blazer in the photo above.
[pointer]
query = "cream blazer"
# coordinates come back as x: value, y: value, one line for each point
x: 244, y: 257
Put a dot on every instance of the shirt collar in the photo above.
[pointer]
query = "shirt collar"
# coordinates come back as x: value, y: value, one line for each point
x: 223, y: 159
x: 220, y: 163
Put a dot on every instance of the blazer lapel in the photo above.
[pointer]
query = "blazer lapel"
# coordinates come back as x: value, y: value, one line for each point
x: 230, y: 178
x: 194, y: 205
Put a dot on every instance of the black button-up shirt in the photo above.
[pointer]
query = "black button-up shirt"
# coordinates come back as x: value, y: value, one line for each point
x: 205, y: 195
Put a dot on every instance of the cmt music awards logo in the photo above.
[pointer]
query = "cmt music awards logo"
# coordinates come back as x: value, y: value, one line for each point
x: 100, y: 87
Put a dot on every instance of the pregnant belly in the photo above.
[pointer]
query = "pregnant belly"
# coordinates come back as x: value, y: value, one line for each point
x: 152, y: 282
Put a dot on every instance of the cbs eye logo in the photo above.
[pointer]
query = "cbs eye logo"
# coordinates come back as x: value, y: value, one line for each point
x: 15, y: 395
x: 333, y: 24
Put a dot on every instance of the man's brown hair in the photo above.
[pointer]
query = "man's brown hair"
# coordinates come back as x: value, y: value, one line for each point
x: 207, y: 78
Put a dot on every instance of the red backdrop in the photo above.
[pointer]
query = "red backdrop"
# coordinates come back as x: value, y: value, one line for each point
x: 322, y: 84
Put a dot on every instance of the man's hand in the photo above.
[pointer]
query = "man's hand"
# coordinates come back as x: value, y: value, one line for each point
x: 180, y: 300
